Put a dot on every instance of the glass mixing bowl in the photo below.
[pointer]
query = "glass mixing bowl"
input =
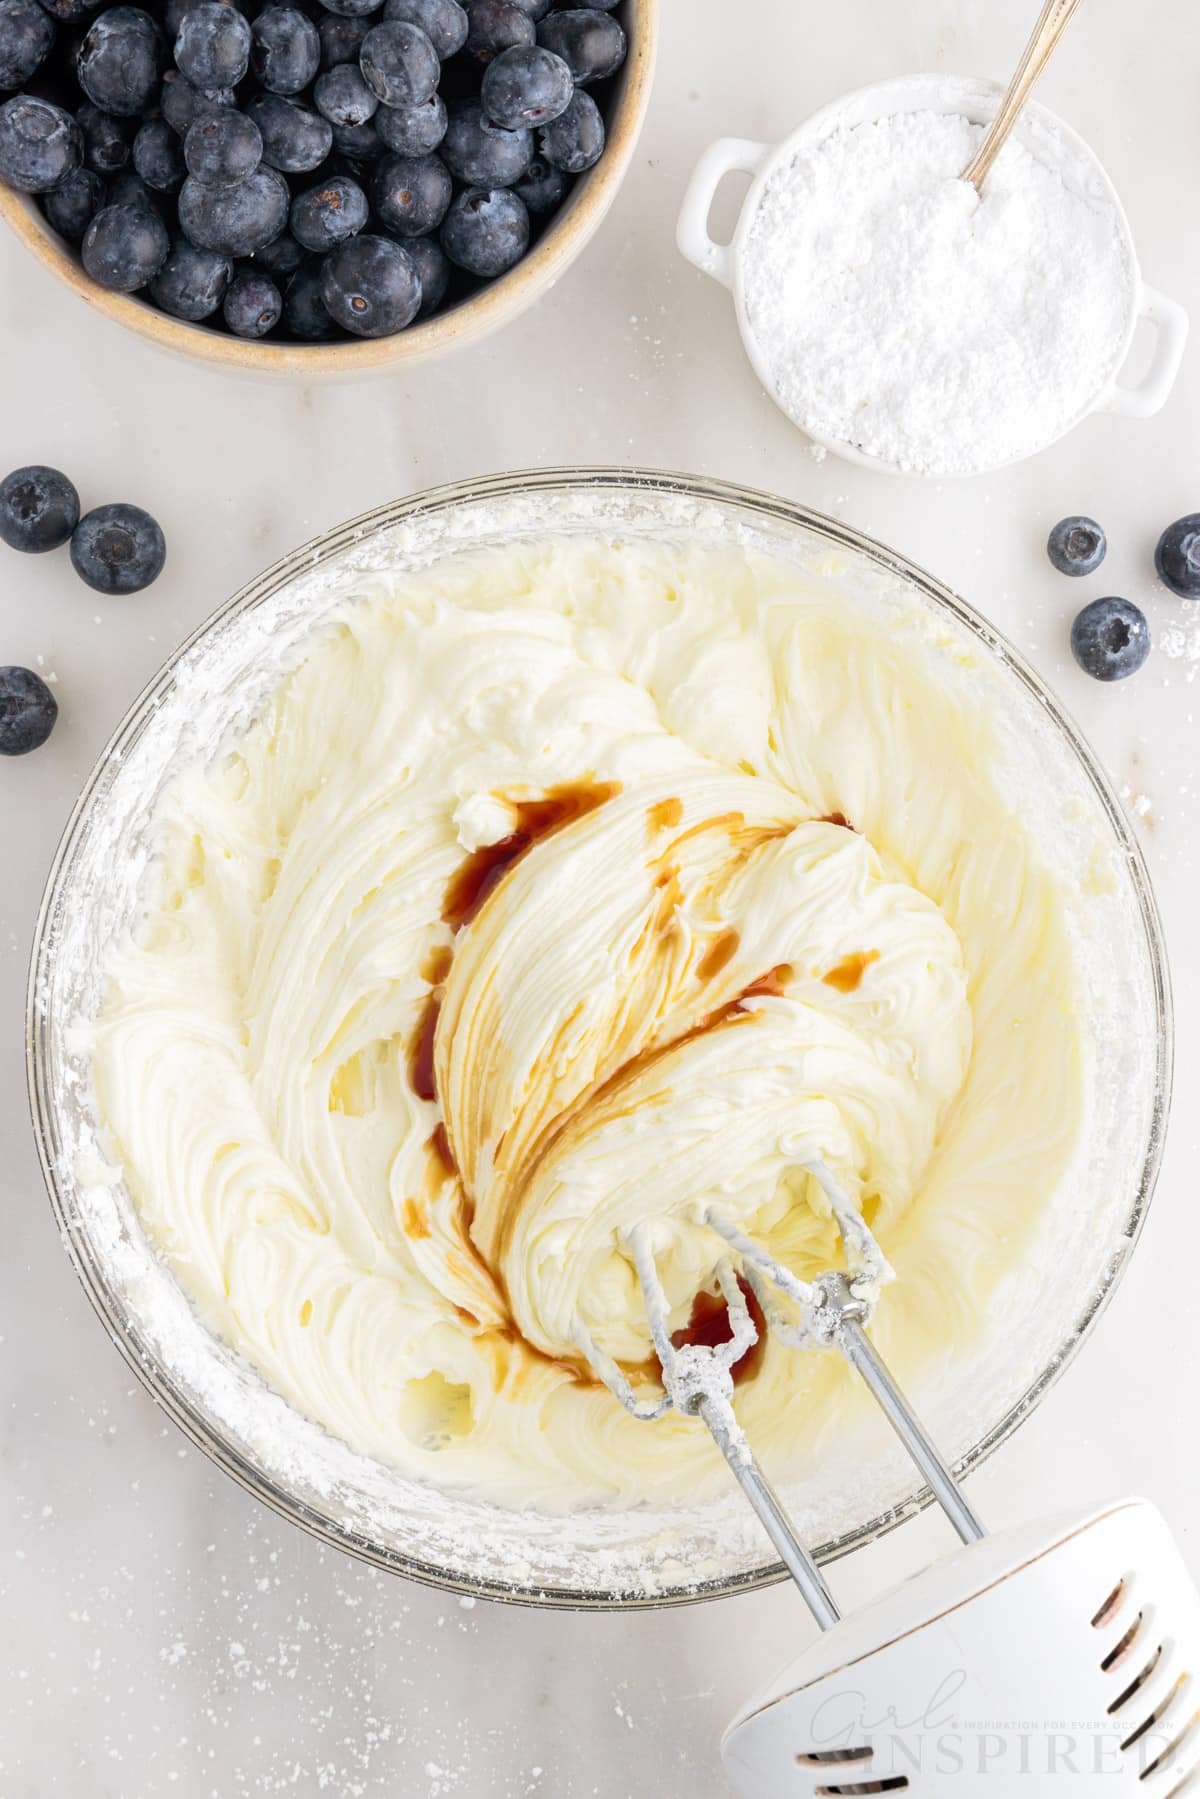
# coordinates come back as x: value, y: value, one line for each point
x: 854, y: 1491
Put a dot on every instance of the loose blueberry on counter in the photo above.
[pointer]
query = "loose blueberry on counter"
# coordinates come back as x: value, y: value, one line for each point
x: 28, y: 710
x: 399, y: 63
x: 253, y: 304
x: 1177, y: 557
x: 120, y: 60
x: 118, y: 549
x: 1076, y: 545
x: 526, y: 87
x: 1110, y: 639
x: 107, y: 141
x: 480, y: 154
x: 70, y: 206
x: 212, y: 45
x: 182, y: 104
x: 304, y: 311
x: 590, y: 42
x: 285, y: 49
x: 496, y: 25
x: 341, y: 38
x: 295, y: 139
x: 26, y: 38
x: 191, y: 283
x: 343, y: 97
x: 223, y: 147
x: 542, y: 187
x: 235, y: 220
x: 328, y: 213
x: 124, y: 247
x: 157, y: 156
x: 370, y: 286
x: 575, y: 139
x: 444, y: 22
x: 412, y: 130
x: 433, y: 270
x: 39, y: 508
x: 486, y: 230
x: 411, y: 194
x: 40, y: 144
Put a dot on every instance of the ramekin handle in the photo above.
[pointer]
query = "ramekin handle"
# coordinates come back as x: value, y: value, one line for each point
x: 727, y: 156
x: 1150, y: 394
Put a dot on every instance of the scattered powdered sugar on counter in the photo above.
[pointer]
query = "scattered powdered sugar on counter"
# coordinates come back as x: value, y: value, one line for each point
x: 897, y: 312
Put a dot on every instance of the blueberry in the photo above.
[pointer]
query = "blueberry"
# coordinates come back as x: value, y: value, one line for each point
x: 120, y: 61
x: 370, y: 286
x: 341, y: 39
x: 69, y: 206
x: 524, y: 87
x: 191, y: 282
x: 586, y: 5
x: 486, y: 230
x: 1177, y: 557
x: 590, y: 42
x: 1110, y: 639
x: 324, y: 215
x: 496, y: 25
x: 433, y: 268
x: 128, y: 189
x: 1076, y: 545
x: 413, y: 130
x: 411, y: 193
x: 534, y: 9
x: 238, y: 219
x: 343, y: 97
x: 304, y: 311
x: 481, y: 154
x: 444, y: 22
x: 352, y: 9
x: 360, y: 145
x: 39, y: 508
x: 118, y: 549
x: 157, y: 156
x: 70, y: 12
x: 399, y: 63
x: 26, y: 38
x: 281, y: 257
x: 124, y: 247
x: 294, y: 139
x: 182, y: 104
x: 40, y: 144
x: 285, y: 49
x: 542, y: 187
x: 28, y: 710
x: 223, y: 147
x: 107, y: 140
x: 253, y: 305
x: 575, y: 139
x: 212, y: 45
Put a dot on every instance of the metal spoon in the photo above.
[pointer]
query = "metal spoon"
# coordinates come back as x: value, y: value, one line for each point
x: 1041, y: 46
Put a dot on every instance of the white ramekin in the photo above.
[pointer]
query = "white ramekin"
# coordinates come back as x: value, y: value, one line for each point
x: 1041, y: 132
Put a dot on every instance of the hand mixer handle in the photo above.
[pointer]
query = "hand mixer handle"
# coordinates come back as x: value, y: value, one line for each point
x: 861, y: 1353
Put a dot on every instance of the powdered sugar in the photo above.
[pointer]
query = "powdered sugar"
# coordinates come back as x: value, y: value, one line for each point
x: 898, y: 313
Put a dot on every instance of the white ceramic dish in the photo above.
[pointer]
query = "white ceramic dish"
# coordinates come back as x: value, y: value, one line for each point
x: 1040, y: 131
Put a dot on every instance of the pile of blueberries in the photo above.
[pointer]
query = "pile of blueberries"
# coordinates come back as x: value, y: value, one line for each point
x: 1110, y: 638
x: 116, y: 549
x: 302, y: 169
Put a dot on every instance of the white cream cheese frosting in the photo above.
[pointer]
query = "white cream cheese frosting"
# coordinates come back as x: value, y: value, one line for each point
x: 558, y: 889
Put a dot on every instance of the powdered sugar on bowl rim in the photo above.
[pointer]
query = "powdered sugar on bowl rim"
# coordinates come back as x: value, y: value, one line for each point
x: 1039, y: 130
x: 219, y: 679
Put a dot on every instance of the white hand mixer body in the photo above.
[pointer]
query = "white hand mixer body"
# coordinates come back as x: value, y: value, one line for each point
x: 1060, y: 1652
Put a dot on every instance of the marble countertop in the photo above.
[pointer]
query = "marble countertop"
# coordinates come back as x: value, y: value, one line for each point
x: 163, y: 1633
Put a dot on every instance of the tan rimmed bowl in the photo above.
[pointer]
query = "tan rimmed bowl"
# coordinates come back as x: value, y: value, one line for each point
x: 465, y: 323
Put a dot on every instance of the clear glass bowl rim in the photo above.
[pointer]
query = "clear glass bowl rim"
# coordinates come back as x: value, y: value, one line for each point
x: 141, y: 1357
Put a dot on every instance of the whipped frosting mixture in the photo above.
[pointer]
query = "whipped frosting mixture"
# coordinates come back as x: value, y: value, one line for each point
x: 561, y: 888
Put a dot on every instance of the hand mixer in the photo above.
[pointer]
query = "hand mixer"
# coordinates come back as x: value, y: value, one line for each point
x: 1066, y: 1651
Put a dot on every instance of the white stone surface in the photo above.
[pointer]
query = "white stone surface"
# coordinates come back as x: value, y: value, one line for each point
x: 162, y: 1633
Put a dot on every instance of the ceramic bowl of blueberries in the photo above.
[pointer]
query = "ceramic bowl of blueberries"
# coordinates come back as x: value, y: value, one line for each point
x: 295, y: 187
